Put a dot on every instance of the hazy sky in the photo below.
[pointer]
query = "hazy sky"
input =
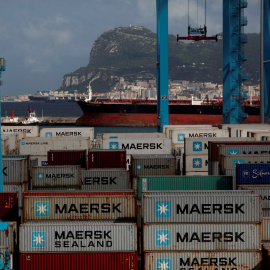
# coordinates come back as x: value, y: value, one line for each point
x: 42, y: 40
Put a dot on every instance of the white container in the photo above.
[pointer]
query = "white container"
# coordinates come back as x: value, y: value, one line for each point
x: 205, y: 236
x: 168, y: 128
x: 68, y: 132
x: 199, y: 146
x: 13, y: 141
x: 72, y: 236
x: 196, y: 173
x: 201, y: 208
x: 258, y: 134
x: 196, y: 163
x: 140, y: 146
x: 154, y: 135
x: 27, y: 131
x: 40, y: 146
x: 178, y: 136
x: 213, y: 260
x: 5, y: 146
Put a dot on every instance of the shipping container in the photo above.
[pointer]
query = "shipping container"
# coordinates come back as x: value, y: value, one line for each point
x: 67, y: 157
x: 15, y: 171
x: 194, y: 146
x: 167, y: 128
x: 202, y: 208
x: 106, y: 159
x: 196, y: 163
x: 258, y: 134
x: 263, y: 190
x: 74, y: 236
x: 252, y: 173
x: 5, y: 146
x: 79, y: 205
x: 56, y: 176
x: 201, y: 237
x: 8, y: 235
x: 104, y: 180
x: 26, y: 131
x: 13, y: 140
x: 153, y: 165
x: 68, y: 132
x: 8, y: 203
x: 230, y: 161
x: 265, y: 229
x: 152, y: 135
x: 196, y: 173
x: 149, y: 183
x: 40, y: 146
x: 266, y: 212
x: 42, y: 161
x: 140, y: 146
x: 213, y: 147
x: 203, y: 260
x: 180, y: 135
x: 82, y: 261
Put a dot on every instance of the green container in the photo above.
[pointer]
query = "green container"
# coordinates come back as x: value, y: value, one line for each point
x: 208, y: 182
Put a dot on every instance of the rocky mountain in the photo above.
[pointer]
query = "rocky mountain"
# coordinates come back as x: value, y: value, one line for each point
x: 130, y: 52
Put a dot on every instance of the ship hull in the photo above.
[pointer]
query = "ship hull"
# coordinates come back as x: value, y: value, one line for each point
x: 128, y: 115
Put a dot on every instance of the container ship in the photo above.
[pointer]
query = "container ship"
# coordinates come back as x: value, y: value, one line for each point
x: 143, y: 113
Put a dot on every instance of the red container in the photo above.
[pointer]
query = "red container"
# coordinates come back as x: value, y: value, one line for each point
x: 8, y: 200
x: 213, y: 147
x: 66, y: 157
x: 82, y: 261
x: 106, y: 159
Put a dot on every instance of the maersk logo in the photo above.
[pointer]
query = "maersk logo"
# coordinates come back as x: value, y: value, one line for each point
x: 42, y: 209
x: 233, y: 151
x: 38, y: 239
x: 114, y: 145
x: 139, y: 167
x: 48, y: 134
x: 163, y: 209
x: 197, y: 163
x: 237, y: 161
x: 181, y: 137
x: 40, y: 176
x: 22, y: 143
x: 197, y: 146
x: 164, y: 264
x: 163, y: 238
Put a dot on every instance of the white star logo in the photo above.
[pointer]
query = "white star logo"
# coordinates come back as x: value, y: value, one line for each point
x: 197, y: 146
x: 163, y: 208
x: 163, y: 265
x: 40, y: 175
x: 233, y: 152
x: 41, y: 209
x: 114, y: 146
x: 181, y: 138
x: 139, y: 167
x: 197, y: 163
x: 163, y: 238
x: 38, y: 239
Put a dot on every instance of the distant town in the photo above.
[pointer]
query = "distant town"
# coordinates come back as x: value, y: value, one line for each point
x: 178, y: 89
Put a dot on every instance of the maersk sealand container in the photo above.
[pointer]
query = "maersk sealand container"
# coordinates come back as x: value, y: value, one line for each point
x: 252, y: 173
x: 147, y: 183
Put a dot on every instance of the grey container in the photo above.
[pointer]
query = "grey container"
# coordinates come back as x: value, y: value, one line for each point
x: 153, y: 165
x: 202, y: 208
x: 80, y: 207
x: 201, y: 237
x: 9, y: 240
x: 77, y: 237
x: 203, y: 260
x: 263, y: 190
x: 56, y: 176
x: 266, y: 212
x: 15, y: 171
x: 104, y: 180
x: 230, y: 161
x: 266, y: 229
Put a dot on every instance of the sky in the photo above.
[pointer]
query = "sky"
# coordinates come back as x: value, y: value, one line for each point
x: 42, y: 40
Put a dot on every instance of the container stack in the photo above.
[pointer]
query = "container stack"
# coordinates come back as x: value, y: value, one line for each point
x: 202, y: 230
x: 16, y: 176
x: 97, y: 229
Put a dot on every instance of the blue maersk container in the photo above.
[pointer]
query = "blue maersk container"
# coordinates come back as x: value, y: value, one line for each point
x: 252, y: 173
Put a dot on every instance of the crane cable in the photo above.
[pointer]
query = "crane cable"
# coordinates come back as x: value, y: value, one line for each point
x: 198, y: 13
